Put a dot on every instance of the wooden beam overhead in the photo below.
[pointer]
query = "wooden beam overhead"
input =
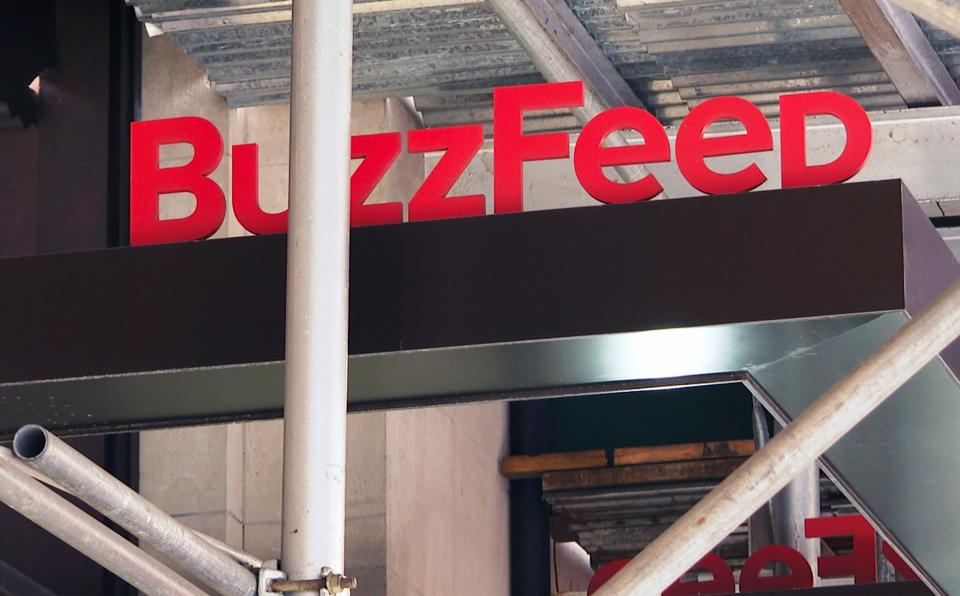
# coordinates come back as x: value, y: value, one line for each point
x: 532, y: 466
x: 944, y: 14
x: 573, y: 39
x: 686, y: 452
x: 899, y: 44
x: 678, y: 471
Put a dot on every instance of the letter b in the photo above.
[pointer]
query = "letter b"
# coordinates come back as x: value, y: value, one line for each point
x: 148, y: 180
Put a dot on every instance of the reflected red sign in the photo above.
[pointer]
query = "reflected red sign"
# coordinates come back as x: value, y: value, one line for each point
x: 860, y: 563
x: 512, y: 148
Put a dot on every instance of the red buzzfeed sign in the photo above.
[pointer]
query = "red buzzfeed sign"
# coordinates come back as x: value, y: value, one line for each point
x: 511, y: 149
x: 861, y: 563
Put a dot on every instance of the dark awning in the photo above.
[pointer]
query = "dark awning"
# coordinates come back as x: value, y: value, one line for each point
x: 783, y: 291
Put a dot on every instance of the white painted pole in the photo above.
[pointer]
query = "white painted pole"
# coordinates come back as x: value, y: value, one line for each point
x: 315, y: 400
x: 791, y: 451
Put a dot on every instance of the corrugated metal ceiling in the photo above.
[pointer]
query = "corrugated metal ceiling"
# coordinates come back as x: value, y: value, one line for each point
x: 449, y: 54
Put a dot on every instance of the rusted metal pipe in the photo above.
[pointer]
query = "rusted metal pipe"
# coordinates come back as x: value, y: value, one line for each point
x: 791, y: 451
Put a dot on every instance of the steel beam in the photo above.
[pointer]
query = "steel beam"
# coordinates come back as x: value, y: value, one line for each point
x: 798, y: 501
x: 896, y: 40
x: 817, y: 429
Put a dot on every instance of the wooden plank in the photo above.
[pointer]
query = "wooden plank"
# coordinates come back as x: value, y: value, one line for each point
x: 943, y: 14
x: 899, y: 44
x: 685, y: 452
x: 531, y: 466
x: 573, y: 39
x: 704, y: 469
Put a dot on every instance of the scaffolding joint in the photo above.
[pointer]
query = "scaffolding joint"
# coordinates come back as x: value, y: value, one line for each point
x: 273, y: 581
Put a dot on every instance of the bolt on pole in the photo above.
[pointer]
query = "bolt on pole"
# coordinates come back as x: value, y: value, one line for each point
x: 315, y: 399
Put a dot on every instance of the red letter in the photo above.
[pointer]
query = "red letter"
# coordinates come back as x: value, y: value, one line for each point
x: 794, y: 110
x: 431, y: 200
x: 148, y: 180
x: 378, y: 152
x: 590, y: 155
x: 722, y: 582
x: 905, y: 571
x: 862, y: 562
x: 604, y: 574
x: 692, y: 147
x: 801, y: 576
x: 245, y: 192
x: 511, y: 147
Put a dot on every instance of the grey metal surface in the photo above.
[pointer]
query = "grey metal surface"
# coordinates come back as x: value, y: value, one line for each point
x: 177, y: 543
x: 760, y: 49
x: 899, y: 465
x: 618, y: 522
x: 500, y: 371
x: 81, y: 531
x: 451, y: 53
x: 797, y: 502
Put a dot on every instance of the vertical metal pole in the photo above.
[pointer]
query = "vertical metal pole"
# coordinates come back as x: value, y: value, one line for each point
x: 781, y: 520
x: 314, y: 444
x: 760, y: 528
x: 799, y: 500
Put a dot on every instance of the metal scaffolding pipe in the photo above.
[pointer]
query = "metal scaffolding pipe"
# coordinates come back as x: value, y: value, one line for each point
x: 31, y: 499
x: 555, y: 66
x: 791, y: 451
x: 89, y: 482
x: 315, y: 394
x: 8, y: 458
x: 244, y: 558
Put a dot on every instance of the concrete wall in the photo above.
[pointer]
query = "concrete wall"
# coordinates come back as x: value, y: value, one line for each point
x: 427, y: 510
x: 447, y: 504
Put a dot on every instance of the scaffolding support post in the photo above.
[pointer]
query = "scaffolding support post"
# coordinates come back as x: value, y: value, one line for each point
x: 315, y: 394
x: 791, y: 451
